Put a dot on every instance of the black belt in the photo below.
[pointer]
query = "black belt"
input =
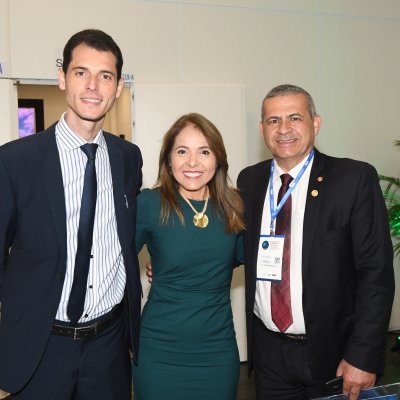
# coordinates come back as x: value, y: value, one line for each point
x: 88, y: 331
x: 290, y: 337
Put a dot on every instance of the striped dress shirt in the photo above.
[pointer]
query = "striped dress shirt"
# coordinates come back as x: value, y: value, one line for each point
x: 107, y: 277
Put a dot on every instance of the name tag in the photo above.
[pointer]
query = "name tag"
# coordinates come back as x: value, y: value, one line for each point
x: 269, y: 260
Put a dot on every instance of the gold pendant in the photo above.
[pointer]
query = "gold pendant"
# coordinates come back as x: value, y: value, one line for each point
x: 200, y: 220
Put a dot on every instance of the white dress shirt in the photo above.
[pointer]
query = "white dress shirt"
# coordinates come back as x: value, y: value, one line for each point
x: 262, y: 306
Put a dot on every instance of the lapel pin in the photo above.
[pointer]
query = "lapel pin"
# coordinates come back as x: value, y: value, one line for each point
x: 314, y: 193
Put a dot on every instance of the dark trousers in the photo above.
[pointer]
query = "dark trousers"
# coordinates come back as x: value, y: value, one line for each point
x: 281, y: 367
x: 98, y: 368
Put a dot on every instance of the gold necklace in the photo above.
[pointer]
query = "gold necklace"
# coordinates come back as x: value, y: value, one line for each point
x: 200, y: 219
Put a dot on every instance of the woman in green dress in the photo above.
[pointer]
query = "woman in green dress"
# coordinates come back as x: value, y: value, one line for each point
x: 191, y: 223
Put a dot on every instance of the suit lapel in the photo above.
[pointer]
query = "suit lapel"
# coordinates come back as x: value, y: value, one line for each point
x: 259, y: 195
x: 118, y: 179
x: 260, y: 191
x: 313, y: 202
x: 53, y: 184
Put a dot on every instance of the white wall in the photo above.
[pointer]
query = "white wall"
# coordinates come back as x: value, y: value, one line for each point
x: 346, y: 53
x: 8, y: 113
x: 8, y: 98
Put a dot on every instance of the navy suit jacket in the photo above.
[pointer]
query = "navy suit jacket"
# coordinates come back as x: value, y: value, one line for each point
x: 347, y: 262
x: 33, y: 242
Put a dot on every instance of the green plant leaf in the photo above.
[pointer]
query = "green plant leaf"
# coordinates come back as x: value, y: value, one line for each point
x: 391, y: 194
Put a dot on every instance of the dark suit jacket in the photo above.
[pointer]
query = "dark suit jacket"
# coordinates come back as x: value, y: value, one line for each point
x: 347, y: 262
x: 34, y: 248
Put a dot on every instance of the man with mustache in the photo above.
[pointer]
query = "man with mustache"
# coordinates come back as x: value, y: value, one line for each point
x: 319, y: 285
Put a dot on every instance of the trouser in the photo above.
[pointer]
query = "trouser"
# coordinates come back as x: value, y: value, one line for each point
x: 86, y: 369
x: 281, y: 366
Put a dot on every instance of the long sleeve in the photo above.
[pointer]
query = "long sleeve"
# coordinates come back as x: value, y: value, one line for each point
x: 7, y: 220
x: 142, y: 219
x: 373, y: 259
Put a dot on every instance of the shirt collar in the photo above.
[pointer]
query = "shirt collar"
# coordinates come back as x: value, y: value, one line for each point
x: 68, y: 139
x: 278, y: 171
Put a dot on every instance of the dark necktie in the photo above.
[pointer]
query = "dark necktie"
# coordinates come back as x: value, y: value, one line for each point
x: 77, y: 296
x: 280, y: 291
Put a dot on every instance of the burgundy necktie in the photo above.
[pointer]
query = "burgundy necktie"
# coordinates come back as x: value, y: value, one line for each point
x: 280, y: 291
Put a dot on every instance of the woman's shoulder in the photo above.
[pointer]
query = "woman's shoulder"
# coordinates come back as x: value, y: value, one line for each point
x: 147, y: 195
x: 148, y: 205
x: 150, y: 199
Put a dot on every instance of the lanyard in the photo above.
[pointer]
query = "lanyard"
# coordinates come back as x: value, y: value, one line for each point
x: 275, y: 211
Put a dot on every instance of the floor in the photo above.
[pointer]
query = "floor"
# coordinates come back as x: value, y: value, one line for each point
x: 246, y: 385
x: 392, y: 372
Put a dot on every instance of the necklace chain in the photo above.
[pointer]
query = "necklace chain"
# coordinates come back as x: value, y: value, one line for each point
x: 200, y: 219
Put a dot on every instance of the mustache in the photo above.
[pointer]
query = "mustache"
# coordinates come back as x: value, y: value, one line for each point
x: 288, y: 136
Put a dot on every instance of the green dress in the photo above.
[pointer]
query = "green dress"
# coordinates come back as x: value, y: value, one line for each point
x: 188, y: 347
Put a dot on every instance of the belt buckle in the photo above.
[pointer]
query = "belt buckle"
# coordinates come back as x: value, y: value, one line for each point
x: 87, y: 328
x: 75, y: 331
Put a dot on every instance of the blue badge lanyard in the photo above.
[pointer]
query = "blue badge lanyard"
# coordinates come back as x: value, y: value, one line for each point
x: 275, y: 212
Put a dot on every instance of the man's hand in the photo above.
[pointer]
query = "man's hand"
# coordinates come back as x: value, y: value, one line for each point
x: 354, y: 379
x: 3, y: 394
x: 149, y: 272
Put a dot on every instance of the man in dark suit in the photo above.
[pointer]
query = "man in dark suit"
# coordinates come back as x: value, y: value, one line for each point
x: 340, y: 282
x: 45, y: 353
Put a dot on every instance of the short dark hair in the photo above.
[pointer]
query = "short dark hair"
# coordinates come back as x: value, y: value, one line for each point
x: 286, y: 89
x: 97, y: 40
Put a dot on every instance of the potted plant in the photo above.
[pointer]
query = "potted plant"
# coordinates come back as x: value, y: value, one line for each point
x: 392, y: 198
